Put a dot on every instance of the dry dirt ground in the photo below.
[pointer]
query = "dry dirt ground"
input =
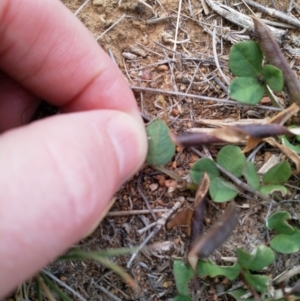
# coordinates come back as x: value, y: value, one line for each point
x: 144, y: 50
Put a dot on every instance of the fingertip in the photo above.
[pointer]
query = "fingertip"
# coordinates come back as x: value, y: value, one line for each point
x: 60, y: 174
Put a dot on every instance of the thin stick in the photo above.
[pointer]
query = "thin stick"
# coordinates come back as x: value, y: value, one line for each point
x: 177, y: 25
x: 274, y: 13
x: 216, y: 58
x: 134, y: 212
x: 144, y: 197
x: 161, y: 91
x: 146, y: 4
x: 193, y: 77
x: 143, y: 230
x: 61, y: 283
x: 154, y: 64
x: 158, y: 20
x: 105, y: 291
x: 110, y: 27
x: 81, y: 7
x: 125, y: 67
x: 112, y: 56
x: 158, y: 226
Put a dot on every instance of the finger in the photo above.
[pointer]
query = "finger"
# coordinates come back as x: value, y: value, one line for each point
x: 54, y: 56
x: 59, y: 175
x: 17, y: 105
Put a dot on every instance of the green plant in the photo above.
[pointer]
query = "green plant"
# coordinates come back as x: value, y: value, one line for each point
x: 246, y: 267
x: 253, y: 79
x: 288, y: 238
x: 232, y: 159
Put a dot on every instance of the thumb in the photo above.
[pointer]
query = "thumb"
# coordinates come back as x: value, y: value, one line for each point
x: 57, y: 176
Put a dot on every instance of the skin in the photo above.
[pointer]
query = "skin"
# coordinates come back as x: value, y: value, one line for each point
x: 57, y: 175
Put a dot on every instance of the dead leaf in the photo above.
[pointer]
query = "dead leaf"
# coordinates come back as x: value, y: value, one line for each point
x: 287, y: 151
x: 182, y: 218
x: 198, y: 214
x: 215, y: 236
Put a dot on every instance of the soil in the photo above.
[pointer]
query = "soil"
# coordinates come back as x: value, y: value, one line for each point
x: 147, y: 56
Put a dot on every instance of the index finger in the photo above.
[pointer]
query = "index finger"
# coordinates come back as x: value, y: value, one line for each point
x: 49, y: 52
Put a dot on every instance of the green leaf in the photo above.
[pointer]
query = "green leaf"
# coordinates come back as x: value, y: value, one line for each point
x: 285, y: 243
x: 182, y: 274
x: 245, y: 59
x: 182, y: 298
x: 295, y: 148
x: 250, y: 174
x: 278, y: 174
x: 201, y: 166
x: 259, y: 258
x: 279, y: 222
x: 161, y: 148
x: 258, y: 282
x: 238, y: 294
x: 221, y: 190
x: 232, y: 159
x: 246, y: 90
x: 207, y: 268
x: 269, y: 189
x: 273, y: 77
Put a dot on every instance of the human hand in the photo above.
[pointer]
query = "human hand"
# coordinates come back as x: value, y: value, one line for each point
x: 57, y: 175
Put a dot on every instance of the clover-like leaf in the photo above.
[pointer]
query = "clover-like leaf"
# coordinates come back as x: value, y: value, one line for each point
x: 245, y: 59
x: 161, y: 148
x: 269, y: 189
x: 207, y: 268
x: 201, y: 166
x: 279, y: 222
x: 258, y: 282
x: 278, y: 174
x: 273, y: 77
x: 182, y: 274
x: 286, y: 243
x: 232, y: 159
x: 221, y: 190
x: 295, y: 148
x: 246, y: 90
x: 259, y: 258
x: 249, y: 172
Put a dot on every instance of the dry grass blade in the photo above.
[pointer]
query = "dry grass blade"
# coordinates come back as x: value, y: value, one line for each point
x: 285, y: 115
x: 215, y: 236
x: 63, y: 284
x: 287, y: 151
x: 200, y: 97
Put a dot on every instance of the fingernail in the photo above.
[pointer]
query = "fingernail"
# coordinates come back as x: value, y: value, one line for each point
x: 130, y: 143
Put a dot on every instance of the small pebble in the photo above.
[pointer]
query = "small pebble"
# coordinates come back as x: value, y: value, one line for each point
x: 163, y: 68
x: 129, y: 55
x: 147, y: 75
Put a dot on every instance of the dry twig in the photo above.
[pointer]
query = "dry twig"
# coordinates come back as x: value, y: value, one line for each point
x: 161, y: 222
